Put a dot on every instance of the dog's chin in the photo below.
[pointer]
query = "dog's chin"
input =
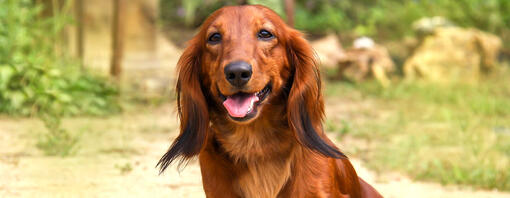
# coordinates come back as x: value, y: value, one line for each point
x: 251, y: 108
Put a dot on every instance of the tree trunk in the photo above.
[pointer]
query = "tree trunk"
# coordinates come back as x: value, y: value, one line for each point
x: 289, y: 11
x: 80, y: 30
x: 117, y: 39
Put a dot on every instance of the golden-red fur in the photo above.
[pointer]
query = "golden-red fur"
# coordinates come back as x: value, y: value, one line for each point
x: 282, y: 151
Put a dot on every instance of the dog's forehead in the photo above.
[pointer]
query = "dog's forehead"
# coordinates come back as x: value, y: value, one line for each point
x: 241, y: 18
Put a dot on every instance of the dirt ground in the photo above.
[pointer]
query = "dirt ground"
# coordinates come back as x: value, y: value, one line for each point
x: 117, y: 157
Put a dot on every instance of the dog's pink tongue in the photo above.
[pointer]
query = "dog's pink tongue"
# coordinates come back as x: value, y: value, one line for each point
x: 239, y: 105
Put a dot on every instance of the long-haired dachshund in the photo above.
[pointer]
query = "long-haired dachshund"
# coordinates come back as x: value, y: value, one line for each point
x: 250, y: 105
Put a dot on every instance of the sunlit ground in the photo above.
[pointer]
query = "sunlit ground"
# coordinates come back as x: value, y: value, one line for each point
x: 452, y: 135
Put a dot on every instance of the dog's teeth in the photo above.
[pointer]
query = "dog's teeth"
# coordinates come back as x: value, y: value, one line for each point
x: 250, y: 108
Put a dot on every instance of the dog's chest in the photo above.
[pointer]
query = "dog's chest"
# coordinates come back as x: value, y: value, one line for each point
x: 262, y: 159
x: 263, y: 179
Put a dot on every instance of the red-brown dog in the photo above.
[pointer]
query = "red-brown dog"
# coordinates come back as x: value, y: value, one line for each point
x: 250, y: 106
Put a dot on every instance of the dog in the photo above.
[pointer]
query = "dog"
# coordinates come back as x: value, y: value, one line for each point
x: 250, y: 105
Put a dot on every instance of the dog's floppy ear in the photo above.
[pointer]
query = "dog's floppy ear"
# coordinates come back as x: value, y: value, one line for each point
x: 192, y: 109
x: 305, y: 108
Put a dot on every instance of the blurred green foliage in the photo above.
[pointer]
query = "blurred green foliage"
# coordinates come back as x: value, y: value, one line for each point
x: 192, y: 13
x: 35, y: 77
x: 392, y: 19
x: 383, y: 19
x: 189, y: 12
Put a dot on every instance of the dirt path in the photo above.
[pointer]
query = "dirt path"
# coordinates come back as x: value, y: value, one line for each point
x: 117, y: 158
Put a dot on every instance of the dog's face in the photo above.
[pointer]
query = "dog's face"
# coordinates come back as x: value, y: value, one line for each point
x: 244, y: 61
x: 243, y: 58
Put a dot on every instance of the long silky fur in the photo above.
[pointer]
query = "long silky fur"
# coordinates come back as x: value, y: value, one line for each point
x: 305, y: 106
x: 192, y: 111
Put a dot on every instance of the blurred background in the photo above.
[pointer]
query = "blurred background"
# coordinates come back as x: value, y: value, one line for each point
x: 417, y: 93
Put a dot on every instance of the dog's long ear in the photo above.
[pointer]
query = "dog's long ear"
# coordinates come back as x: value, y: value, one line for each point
x: 192, y: 109
x: 305, y: 108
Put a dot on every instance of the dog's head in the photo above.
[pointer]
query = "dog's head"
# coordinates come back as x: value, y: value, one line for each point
x: 243, y: 58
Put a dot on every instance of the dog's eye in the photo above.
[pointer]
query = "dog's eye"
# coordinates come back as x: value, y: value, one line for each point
x: 265, y: 35
x: 215, y: 38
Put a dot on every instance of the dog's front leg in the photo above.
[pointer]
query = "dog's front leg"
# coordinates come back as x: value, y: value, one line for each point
x: 217, y: 176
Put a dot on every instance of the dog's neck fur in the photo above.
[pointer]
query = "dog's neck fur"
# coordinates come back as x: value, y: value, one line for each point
x: 262, y: 150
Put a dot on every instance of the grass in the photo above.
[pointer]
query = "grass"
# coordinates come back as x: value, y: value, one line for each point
x: 125, y: 168
x: 453, y: 134
x: 57, y: 141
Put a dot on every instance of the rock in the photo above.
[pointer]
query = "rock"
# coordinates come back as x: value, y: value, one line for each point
x: 329, y: 50
x: 453, y: 54
x: 366, y: 60
x: 363, y: 43
x: 428, y: 25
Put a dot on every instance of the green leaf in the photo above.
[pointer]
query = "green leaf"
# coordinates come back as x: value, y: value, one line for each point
x: 6, y: 72
x: 17, y: 99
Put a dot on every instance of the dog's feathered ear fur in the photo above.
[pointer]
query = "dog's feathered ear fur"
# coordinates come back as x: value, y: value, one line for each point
x: 305, y: 106
x: 192, y: 109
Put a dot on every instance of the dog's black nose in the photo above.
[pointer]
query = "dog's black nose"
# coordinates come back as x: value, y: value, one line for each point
x: 238, y: 73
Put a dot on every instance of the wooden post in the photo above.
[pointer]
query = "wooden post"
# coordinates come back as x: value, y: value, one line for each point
x: 80, y: 30
x: 289, y: 11
x: 117, y: 39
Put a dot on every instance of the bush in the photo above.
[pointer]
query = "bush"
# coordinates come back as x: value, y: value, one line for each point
x: 192, y: 13
x: 34, y: 77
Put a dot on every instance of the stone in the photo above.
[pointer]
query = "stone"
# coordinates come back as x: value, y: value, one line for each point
x: 329, y: 50
x: 453, y: 54
x: 366, y: 60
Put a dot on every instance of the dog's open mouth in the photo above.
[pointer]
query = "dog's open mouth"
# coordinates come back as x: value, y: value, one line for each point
x: 243, y: 106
